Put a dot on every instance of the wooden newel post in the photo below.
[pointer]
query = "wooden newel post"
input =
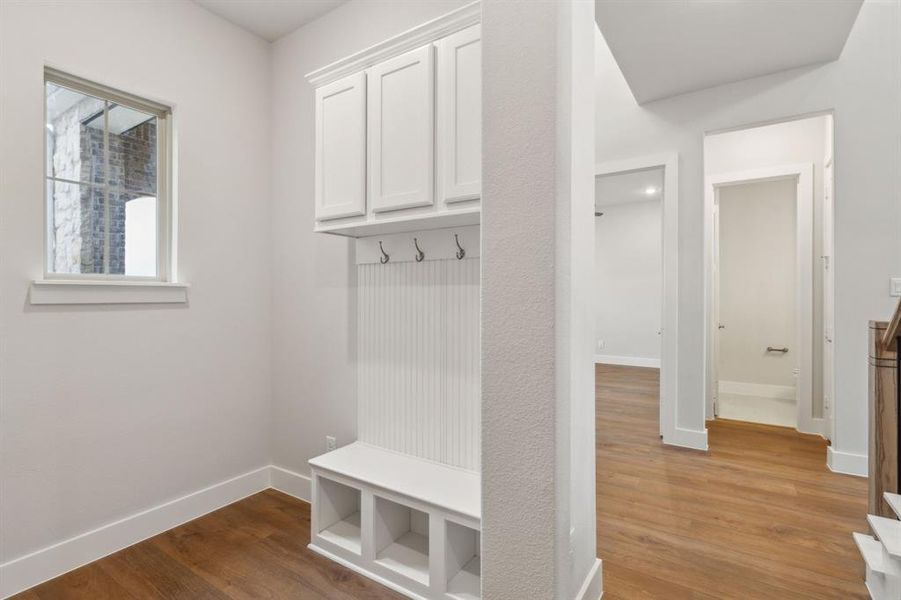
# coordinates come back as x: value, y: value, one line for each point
x: 884, y: 404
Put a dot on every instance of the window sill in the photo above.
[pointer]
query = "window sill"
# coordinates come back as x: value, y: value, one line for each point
x: 73, y: 291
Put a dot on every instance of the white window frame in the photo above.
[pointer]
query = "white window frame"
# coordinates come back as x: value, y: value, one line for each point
x: 164, y: 268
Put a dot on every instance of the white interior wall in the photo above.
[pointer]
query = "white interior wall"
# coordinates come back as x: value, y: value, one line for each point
x: 314, y: 292
x: 867, y: 127
x: 110, y: 410
x: 628, y: 280
x: 757, y: 296
x: 792, y: 142
x: 538, y: 450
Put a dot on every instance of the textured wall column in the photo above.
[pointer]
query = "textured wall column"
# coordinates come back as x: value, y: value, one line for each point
x: 537, y: 258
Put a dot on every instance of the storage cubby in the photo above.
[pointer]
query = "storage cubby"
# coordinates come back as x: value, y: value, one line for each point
x: 339, y: 514
x: 421, y: 520
x: 462, y: 562
x: 402, y: 539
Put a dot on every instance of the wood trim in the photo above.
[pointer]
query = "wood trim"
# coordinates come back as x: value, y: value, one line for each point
x: 883, y: 420
x: 892, y: 328
x: 413, y: 38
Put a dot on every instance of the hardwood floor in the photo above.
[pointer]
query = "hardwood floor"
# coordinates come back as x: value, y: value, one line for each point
x: 253, y: 549
x: 760, y: 516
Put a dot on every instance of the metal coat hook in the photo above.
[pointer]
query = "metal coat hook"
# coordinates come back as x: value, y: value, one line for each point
x: 460, y: 251
x: 420, y: 255
x: 384, y: 258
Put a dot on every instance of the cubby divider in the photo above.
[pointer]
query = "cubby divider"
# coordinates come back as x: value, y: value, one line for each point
x: 462, y: 562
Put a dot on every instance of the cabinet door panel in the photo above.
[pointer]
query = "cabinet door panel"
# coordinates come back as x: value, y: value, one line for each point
x: 341, y: 148
x: 460, y: 115
x: 401, y: 131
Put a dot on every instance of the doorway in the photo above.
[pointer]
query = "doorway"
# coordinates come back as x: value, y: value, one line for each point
x: 756, y: 341
x: 636, y: 228
x: 767, y: 298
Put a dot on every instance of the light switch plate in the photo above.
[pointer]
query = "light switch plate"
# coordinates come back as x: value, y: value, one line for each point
x: 895, y: 288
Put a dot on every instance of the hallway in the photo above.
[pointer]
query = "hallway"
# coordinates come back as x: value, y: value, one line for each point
x: 760, y: 516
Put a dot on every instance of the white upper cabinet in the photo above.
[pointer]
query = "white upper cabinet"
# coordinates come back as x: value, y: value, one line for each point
x: 401, y: 131
x: 460, y: 115
x: 341, y: 148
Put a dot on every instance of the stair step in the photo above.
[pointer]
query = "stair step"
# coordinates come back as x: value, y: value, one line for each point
x: 889, y: 533
x: 894, y: 501
x: 871, y: 550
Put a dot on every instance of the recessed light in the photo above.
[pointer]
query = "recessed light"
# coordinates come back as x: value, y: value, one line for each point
x: 650, y: 190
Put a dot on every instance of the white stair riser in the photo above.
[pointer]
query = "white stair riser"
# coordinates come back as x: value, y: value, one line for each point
x: 891, y: 579
x: 876, y: 585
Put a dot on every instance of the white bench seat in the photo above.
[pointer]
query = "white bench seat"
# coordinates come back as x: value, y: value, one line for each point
x: 454, y: 490
x: 406, y: 522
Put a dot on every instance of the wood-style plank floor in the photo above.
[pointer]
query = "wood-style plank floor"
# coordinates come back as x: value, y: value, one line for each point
x: 253, y: 549
x: 760, y: 516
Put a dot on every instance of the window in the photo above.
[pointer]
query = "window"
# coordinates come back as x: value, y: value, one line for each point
x: 107, y: 182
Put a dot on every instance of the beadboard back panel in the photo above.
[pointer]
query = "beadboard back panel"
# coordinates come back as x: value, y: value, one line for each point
x: 418, y: 359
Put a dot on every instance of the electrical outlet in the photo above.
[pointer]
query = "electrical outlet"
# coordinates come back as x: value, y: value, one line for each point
x: 330, y: 443
x: 601, y: 344
x: 895, y: 286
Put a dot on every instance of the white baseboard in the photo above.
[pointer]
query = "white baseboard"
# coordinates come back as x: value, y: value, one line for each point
x: 628, y: 361
x: 27, y: 571
x: 688, y: 438
x: 593, y: 586
x: 759, y: 390
x: 291, y: 483
x: 814, y: 425
x: 847, y: 463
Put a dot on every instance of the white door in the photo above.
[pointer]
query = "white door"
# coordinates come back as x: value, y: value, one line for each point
x: 460, y: 115
x: 341, y: 148
x: 402, y: 131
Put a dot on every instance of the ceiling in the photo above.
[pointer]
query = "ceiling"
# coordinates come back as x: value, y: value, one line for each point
x: 631, y: 186
x: 269, y: 19
x: 679, y: 46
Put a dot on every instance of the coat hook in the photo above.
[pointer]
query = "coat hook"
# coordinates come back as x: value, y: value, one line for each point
x: 460, y: 251
x: 420, y: 255
x: 384, y: 258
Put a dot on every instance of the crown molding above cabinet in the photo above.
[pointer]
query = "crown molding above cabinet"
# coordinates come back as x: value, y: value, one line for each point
x: 399, y: 132
x: 421, y: 35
